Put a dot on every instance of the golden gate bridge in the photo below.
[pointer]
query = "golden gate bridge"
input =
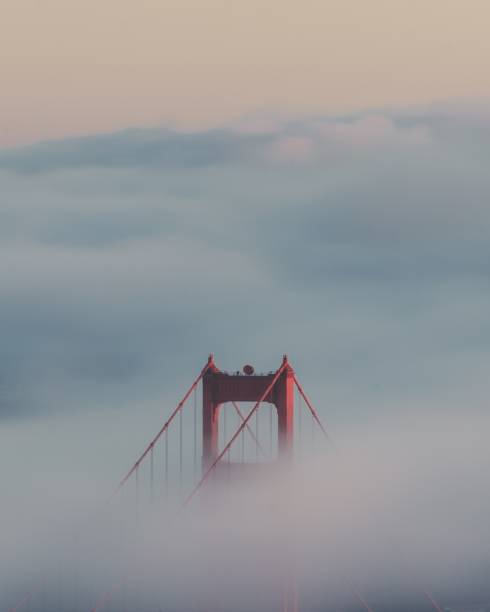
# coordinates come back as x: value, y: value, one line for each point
x: 210, y: 438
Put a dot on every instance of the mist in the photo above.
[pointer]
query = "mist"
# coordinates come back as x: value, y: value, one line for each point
x: 400, y: 508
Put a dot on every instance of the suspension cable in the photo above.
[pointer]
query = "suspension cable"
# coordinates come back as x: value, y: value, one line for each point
x: 434, y: 603
x: 362, y: 601
x: 312, y: 410
x: 165, y: 426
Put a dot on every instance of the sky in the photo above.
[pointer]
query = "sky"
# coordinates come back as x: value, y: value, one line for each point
x: 69, y: 67
x: 247, y: 179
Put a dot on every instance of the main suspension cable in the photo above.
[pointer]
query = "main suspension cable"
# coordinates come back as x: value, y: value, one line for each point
x: 312, y: 410
x: 165, y: 426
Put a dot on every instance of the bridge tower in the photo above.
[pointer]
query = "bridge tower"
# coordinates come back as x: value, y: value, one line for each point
x: 220, y: 387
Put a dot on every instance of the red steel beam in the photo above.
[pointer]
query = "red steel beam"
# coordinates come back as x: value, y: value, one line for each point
x: 235, y: 436
x: 249, y: 429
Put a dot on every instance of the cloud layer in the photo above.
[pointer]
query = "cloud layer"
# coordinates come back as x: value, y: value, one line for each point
x: 376, y: 519
x: 358, y: 244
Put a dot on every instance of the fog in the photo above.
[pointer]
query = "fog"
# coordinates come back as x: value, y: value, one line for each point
x: 399, y: 508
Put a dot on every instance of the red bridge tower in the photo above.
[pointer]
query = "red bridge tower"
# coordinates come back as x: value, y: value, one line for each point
x: 220, y: 387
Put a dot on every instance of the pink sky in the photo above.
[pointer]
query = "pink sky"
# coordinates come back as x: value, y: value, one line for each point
x: 73, y: 67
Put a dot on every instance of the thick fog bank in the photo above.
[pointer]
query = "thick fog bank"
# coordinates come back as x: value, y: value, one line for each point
x: 399, y: 510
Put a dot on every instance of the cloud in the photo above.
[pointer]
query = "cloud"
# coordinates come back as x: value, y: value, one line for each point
x: 376, y: 518
x: 291, y: 149
x: 137, y: 148
x: 357, y: 244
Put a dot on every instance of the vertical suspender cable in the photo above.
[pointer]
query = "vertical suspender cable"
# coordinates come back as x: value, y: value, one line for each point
x: 243, y: 446
x: 224, y: 424
x: 229, y: 467
x: 195, y: 433
x: 313, y: 437
x: 152, y: 469
x: 300, y: 410
x: 181, y: 441
x: 136, y: 479
x: 257, y: 435
x: 166, y: 464
x: 237, y: 419
x: 270, y: 430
